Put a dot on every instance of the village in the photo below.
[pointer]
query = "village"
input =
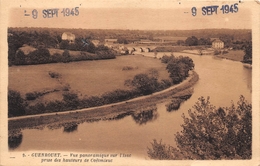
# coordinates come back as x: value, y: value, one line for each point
x: 145, y: 45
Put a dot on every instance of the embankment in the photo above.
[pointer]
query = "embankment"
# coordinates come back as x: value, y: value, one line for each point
x: 105, y: 112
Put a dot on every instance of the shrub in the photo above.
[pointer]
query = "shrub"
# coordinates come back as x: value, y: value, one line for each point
x: 20, y: 58
x: 38, y: 108
x: 66, y: 87
x: 71, y: 100
x: 16, y: 104
x: 165, y: 83
x: 54, y: 74
x: 127, y: 68
x: 39, y: 56
x: 66, y: 56
x: 166, y: 59
x: 145, y: 84
x: 32, y: 95
x: 55, y: 106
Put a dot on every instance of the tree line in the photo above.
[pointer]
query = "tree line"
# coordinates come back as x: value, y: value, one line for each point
x: 44, y: 40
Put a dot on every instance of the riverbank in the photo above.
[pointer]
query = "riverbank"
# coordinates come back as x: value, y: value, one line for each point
x: 234, y: 55
x: 105, y: 112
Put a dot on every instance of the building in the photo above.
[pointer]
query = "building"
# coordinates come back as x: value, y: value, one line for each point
x: 68, y: 36
x: 95, y: 42
x: 217, y: 44
x: 111, y: 41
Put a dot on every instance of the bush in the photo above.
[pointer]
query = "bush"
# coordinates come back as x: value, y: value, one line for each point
x: 209, y: 134
x: 32, y: 95
x: 38, y: 108
x: 54, y: 74
x: 166, y: 59
x: 145, y: 84
x: 66, y: 56
x: 16, y: 104
x: 71, y: 100
x: 127, y: 68
x: 39, y: 56
x: 55, y: 106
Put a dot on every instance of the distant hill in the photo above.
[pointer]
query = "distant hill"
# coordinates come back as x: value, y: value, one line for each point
x: 101, y: 34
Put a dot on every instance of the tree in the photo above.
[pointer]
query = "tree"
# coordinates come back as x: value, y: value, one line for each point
x: 122, y: 40
x: 145, y: 84
x: 210, y: 133
x: 204, y: 41
x: 40, y: 56
x: 248, y: 53
x: 64, y: 44
x: 20, y: 58
x: 71, y: 100
x: 66, y: 56
x: 227, y: 39
x: 191, y: 41
x: 180, y: 42
x: 178, y: 67
x: 16, y: 104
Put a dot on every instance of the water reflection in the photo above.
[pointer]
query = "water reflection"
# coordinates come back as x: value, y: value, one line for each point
x: 144, y: 116
x: 15, y: 139
x: 248, y: 77
x: 174, y: 105
x: 179, y: 98
x: 70, y: 127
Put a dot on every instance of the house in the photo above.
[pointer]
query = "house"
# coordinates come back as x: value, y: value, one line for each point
x: 217, y: 44
x: 68, y: 36
x: 95, y: 42
x: 110, y: 40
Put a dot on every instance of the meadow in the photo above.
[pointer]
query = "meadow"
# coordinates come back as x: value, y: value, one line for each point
x: 235, y: 55
x: 86, y: 78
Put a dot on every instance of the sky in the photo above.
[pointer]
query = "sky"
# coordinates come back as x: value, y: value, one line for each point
x: 133, y: 18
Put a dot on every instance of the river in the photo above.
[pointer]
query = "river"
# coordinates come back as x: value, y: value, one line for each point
x: 222, y: 80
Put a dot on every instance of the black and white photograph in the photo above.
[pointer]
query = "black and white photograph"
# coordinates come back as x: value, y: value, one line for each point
x: 130, y: 83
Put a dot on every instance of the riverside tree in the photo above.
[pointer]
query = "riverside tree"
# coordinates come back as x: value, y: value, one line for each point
x: 16, y: 104
x: 209, y: 134
x: 248, y: 53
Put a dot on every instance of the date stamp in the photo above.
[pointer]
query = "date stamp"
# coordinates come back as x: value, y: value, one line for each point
x: 215, y: 9
x: 53, y: 12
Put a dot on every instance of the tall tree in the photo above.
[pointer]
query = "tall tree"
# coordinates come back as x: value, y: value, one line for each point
x: 191, y: 41
x: 209, y: 134
x: 248, y: 52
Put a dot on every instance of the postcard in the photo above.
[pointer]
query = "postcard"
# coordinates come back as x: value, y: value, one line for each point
x: 130, y: 82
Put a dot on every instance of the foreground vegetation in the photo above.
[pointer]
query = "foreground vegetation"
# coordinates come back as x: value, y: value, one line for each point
x: 210, y: 133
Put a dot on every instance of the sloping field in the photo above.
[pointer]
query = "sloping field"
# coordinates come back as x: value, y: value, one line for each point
x: 84, y: 77
x: 235, y: 55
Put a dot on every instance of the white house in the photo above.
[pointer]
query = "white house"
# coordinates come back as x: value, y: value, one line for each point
x: 217, y: 44
x: 147, y: 50
x: 68, y: 36
x: 95, y: 42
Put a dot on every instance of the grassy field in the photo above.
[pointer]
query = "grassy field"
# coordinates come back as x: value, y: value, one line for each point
x: 86, y: 78
x: 107, y: 112
x: 235, y: 55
